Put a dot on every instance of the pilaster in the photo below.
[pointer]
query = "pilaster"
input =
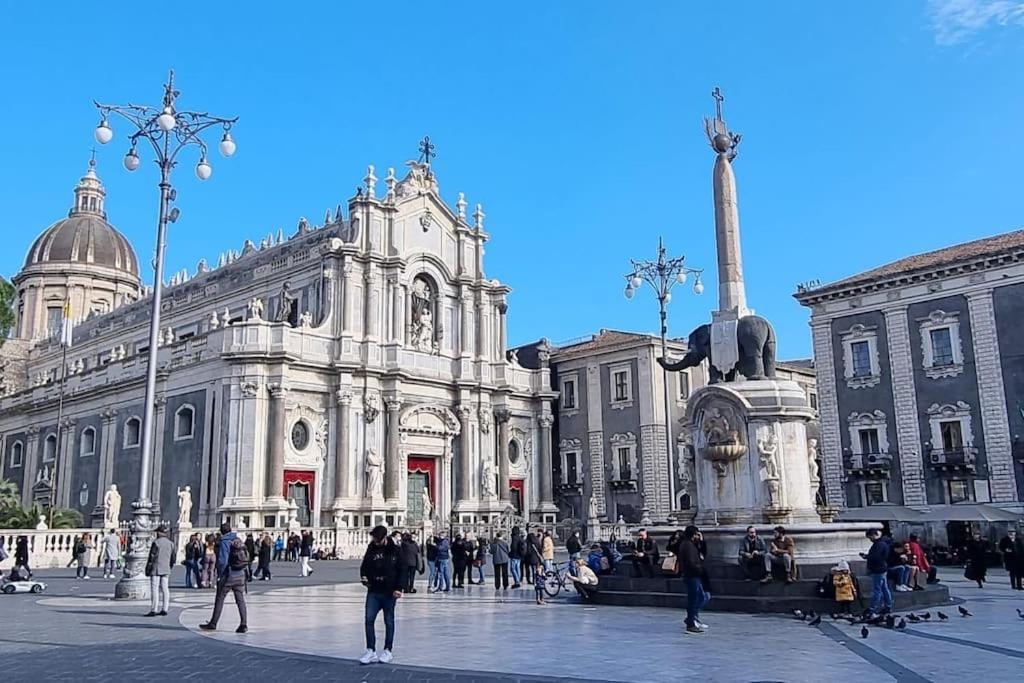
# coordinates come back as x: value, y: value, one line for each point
x: 597, y: 485
x: 109, y: 436
x: 828, y: 414
x: 275, y: 441
x: 159, y: 432
x: 393, y: 458
x: 904, y: 398
x: 342, y: 447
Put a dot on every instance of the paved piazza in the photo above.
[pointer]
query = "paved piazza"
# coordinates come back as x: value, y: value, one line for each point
x: 314, y: 632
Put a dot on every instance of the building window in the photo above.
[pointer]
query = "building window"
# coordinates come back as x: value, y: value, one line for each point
x: 684, y: 385
x: 569, y: 451
x: 951, y: 427
x: 940, y: 344
x: 54, y: 315
x: 813, y: 400
x: 860, y: 357
x: 569, y: 393
x: 869, y: 441
x: 300, y: 435
x: 17, y: 454
x: 87, y: 442
x: 50, y: 448
x: 959, y: 490
x: 132, y: 432
x: 952, y: 436
x: 184, y: 422
x: 571, y: 467
x: 868, y: 433
x: 621, y: 386
x: 624, y: 463
x: 624, y: 467
x: 875, y: 493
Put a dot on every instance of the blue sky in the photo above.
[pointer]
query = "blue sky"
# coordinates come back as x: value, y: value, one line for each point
x: 872, y: 130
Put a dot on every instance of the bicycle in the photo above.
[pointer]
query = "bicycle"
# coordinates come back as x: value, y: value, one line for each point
x: 556, y: 579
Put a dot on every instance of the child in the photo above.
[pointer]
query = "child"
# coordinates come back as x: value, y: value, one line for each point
x: 538, y: 583
x: 845, y: 587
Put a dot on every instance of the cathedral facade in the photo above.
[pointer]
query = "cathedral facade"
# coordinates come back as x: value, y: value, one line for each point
x: 353, y: 373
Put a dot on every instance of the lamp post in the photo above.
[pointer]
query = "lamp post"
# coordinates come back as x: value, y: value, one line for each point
x: 662, y: 275
x: 168, y: 131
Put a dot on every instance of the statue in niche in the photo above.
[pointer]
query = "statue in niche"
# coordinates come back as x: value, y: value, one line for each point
x: 488, y: 486
x: 374, y: 474
x: 185, y: 505
x: 111, y: 507
x: 428, y: 506
x: 812, y: 459
x: 423, y: 338
x: 287, y: 310
x: 768, y: 447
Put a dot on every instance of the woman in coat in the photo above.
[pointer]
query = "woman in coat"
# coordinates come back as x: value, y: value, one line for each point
x: 21, y: 555
x: 460, y: 558
x: 305, y: 552
x: 209, y: 560
x: 482, y: 550
x: 85, y: 556
x: 976, y: 560
x: 265, y: 552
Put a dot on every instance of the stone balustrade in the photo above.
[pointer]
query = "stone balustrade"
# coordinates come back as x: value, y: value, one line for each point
x: 51, y: 548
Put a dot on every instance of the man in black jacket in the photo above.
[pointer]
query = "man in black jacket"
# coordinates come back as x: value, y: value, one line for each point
x: 693, y: 569
x: 383, y: 574
x: 645, y: 555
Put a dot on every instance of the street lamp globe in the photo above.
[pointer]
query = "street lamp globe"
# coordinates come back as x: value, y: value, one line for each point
x: 131, y: 160
x: 668, y: 297
x: 227, y: 145
x: 698, y: 287
x: 681, y: 277
x: 635, y: 282
x: 103, y: 132
x: 166, y: 120
x: 203, y: 169
x: 629, y: 291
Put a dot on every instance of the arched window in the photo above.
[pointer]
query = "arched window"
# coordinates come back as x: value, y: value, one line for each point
x: 17, y: 454
x: 50, y: 448
x: 184, y: 422
x: 132, y: 432
x: 87, y: 442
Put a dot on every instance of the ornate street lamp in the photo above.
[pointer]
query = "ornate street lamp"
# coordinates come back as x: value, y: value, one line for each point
x: 662, y: 275
x: 168, y: 130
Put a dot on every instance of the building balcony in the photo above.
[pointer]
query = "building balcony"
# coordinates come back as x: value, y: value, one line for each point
x: 868, y: 464
x: 570, y: 488
x: 954, y: 460
x: 627, y: 483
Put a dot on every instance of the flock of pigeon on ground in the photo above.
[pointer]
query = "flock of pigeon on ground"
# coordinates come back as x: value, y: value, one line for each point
x: 890, y: 621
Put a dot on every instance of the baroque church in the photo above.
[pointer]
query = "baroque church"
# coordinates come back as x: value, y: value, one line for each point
x: 352, y: 373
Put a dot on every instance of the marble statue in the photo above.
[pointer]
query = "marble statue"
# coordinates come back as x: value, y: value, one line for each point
x: 111, y: 508
x: 488, y: 485
x: 286, y: 307
x: 185, y: 506
x: 374, y: 474
x: 256, y: 308
x: 306, y: 319
x: 768, y: 448
x: 812, y: 459
x: 428, y: 506
x: 422, y: 316
x: 592, y: 508
x: 42, y: 524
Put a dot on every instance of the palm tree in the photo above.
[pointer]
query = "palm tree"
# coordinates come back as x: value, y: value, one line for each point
x: 16, y: 517
x: 9, y: 494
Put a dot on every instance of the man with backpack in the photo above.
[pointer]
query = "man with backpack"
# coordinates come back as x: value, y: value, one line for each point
x: 232, y: 563
x: 383, y: 574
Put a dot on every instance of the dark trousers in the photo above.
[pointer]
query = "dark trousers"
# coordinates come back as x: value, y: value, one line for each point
x: 501, y: 575
x: 234, y: 582
x: 410, y: 579
x: 527, y: 571
x: 193, y: 576
x: 375, y: 602
x: 264, y: 570
x: 460, y: 575
x: 1016, y: 578
x: 646, y: 562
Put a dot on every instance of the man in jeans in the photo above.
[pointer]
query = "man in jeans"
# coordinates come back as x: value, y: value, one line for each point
x: 693, y: 569
x: 878, y: 564
x: 230, y: 578
x: 383, y: 574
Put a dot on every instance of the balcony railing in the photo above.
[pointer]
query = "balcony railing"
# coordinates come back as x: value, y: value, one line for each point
x: 954, y: 459
x: 869, y: 464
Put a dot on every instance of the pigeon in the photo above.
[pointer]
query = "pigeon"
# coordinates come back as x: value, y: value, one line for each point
x: 864, y: 631
x: 943, y: 617
x: 1020, y: 613
x: 902, y: 626
x: 799, y: 615
x: 926, y: 616
x: 835, y: 616
x: 811, y: 614
x: 815, y: 621
x: 964, y: 612
x: 913, y: 618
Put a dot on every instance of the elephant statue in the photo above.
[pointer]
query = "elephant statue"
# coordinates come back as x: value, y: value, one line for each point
x: 756, y: 340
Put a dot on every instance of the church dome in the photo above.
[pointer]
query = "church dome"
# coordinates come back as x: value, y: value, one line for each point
x: 85, y: 237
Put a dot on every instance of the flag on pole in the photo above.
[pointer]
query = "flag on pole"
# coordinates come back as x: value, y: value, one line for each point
x: 66, y: 326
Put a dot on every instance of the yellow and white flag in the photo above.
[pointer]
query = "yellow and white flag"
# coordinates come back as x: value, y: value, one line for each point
x: 66, y: 326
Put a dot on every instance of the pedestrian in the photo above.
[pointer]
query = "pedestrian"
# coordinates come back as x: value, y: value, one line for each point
x: 383, y: 574
x: 920, y: 561
x: 278, y: 548
x: 878, y: 566
x: 548, y: 551
x: 844, y: 585
x: 111, y: 553
x: 158, y: 569
x: 412, y: 561
x: 533, y: 557
x: 190, y: 561
x: 84, y: 556
x: 209, y: 562
x: 460, y: 559
x: 781, y: 553
x: 232, y: 560
x: 500, y: 558
x: 645, y: 555
x: 574, y: 547
x: 482, y: 550
x: 693, y: 573
x: 529, y: 540
x: 444, y: 570
x: 21, y: 555
x: 1008, y: 547
x: 265, y: 551
x: 899, y: 567
x: 585, y: 580
x: 538, y: 582
x: 515, y: 556
x: 250, y: 548
x: 431, y: 554
x: 305, y: 551
x: 977, y: 560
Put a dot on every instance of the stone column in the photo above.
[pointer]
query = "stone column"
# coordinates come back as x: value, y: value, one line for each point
x: 372, y: 324
x: 65, y: 458
x: 392, y: 459
x: 275, y: 441
x: 831, y: 446
x: 992, y: 394
x: 159, y: 431
x: 465, y: 453
x: 467, y: 328
x: 109, y: 436
x: 346, y: 297
x: 503, y: 417
x: 546, y: 495
x: 30, y: 465
x: 341, y: 446
x: 904, y: 398
x: 503, y: 337
x: 397, y: 323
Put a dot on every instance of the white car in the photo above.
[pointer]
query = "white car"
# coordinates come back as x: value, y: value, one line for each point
x: 30, y: 586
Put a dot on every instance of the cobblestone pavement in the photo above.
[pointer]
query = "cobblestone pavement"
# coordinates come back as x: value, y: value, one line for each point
x: 311, y: 629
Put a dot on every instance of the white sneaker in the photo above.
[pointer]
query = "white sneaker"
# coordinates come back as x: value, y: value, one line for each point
x: 701, y: 625
x: 369, y: 657
x: 385, y: 657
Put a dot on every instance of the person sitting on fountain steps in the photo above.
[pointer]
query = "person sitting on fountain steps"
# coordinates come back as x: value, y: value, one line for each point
x: 752, y: 555
x: 782, y: 552
x: 645, y: 555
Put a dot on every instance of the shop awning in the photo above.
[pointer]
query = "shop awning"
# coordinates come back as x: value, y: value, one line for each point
x: 968, y: 512
x: 881, y: 513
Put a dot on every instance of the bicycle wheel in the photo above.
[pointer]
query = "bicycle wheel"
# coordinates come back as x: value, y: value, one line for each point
x: 552, y: 583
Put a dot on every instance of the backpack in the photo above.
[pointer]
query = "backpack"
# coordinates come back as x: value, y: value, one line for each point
x: 238, y: 556
x: 79, y: 547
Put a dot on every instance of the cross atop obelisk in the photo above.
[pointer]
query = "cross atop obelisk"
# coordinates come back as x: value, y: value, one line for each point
x: 732, y: 298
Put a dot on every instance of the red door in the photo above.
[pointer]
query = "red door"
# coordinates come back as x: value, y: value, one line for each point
x: 516, y: 491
